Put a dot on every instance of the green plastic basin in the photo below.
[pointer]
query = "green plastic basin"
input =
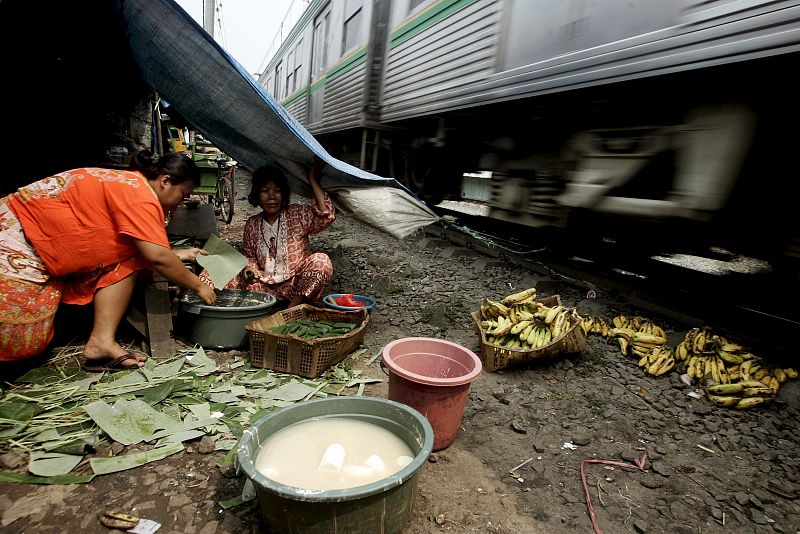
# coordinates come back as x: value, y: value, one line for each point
x: 383, y: 506
x: 221, y: 326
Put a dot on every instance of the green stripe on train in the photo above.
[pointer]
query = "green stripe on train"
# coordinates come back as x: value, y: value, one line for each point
x: 422, y: 21
x: 427, y: 18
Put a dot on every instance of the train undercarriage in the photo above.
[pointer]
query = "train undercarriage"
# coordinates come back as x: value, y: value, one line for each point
x: 675, y: 163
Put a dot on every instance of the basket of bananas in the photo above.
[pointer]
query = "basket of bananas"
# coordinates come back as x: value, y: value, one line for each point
x: 520, y: 328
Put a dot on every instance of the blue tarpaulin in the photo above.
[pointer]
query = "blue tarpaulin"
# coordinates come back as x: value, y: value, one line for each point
x: 215, y: 94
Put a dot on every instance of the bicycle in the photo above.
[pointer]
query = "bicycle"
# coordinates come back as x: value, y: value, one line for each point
x: 217, y: 185
x: 225, y: 191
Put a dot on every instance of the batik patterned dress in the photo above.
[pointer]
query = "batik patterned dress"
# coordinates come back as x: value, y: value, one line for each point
x: 280, y: 259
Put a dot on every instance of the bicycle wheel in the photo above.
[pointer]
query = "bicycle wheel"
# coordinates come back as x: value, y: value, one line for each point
x: 223, y: 202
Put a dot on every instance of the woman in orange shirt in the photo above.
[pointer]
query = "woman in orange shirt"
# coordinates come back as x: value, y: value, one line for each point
x: 78, y: 237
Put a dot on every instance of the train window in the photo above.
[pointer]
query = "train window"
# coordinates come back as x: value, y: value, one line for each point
x: 298, y: 62
x: 289, y: 72
x: 278, y: 80
x: 414, y: 4
x: 352, y: 24
x: 320, y: 47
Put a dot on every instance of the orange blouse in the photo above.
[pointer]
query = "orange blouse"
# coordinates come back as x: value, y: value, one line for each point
x: 85, y: 221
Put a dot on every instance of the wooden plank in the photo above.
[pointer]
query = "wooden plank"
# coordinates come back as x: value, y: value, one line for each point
x: 159, y: 318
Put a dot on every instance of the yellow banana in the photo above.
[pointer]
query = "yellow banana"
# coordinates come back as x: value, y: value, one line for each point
x: 122, y: 517
x: 699, y: 342
x: 667, y: 366
x: 648, y: 338
x: 535, y: 336
x: 722, y: 372
x: 760, y: 373
x: 524, y: 314
x: 516, y: 298
x: 587, y: 324
x: 504, y: 328
x: 774, y: 385
x: 659, y: 361
x: 791, y: 372
x: 749, y: 402
x: 552, y: 313
x: 546, y: 337
x: 709, y: 368
x: 752, y: 384
x: 725, y: 389
x: 757, y: 392
x: 780, y: 374
x: 622, y: 332
x: 691, y: 367
x: 744, y: 369
x: 525, y: 333
x: 500, y: 308
x: 726, y: 402
x: 520, y: 326
x: 557, y: 325
x: 731, y: 347
x: 728, y: 357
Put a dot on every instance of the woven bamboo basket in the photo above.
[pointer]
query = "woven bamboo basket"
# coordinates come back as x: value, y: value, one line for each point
x: 308, y: 358
x: 496, y: 357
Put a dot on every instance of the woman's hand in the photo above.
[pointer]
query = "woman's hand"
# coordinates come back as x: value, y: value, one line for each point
x: 189, y: 254
x: 206, y: 294
x: 313, y: 180
x: 316, y: 169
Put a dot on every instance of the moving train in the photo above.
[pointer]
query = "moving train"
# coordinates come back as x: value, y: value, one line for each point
x: 671, y: 124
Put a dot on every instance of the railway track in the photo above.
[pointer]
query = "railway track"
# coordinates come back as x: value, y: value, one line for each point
x: 756, y: 309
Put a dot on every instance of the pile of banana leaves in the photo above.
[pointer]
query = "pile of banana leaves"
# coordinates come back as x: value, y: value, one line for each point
x: 59, y: 415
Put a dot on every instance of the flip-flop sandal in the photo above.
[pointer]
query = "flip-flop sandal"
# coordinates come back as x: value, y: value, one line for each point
x: 100, y: 365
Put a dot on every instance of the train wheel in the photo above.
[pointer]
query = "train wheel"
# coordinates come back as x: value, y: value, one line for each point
x: 431, y: 175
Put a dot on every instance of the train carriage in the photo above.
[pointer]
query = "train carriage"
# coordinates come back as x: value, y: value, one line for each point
x: 588, y: 114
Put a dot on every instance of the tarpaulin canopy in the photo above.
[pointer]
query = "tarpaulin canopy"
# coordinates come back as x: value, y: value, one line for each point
x: 221, y: 100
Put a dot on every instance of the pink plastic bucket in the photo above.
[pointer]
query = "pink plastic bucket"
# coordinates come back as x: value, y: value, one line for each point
x: 433, y: 377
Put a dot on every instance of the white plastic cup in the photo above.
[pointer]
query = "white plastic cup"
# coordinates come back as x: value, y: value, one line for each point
x: 332, y: 458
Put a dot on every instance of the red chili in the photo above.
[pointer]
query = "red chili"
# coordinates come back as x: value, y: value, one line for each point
x: 348, y: 301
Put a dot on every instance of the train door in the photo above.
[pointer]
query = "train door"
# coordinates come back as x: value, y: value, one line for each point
x: 319, y: 55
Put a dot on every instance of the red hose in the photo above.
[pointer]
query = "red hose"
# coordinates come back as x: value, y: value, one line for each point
x: 639, y: 464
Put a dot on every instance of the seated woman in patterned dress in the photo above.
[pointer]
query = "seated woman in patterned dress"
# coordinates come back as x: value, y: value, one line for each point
x: 276, y: 240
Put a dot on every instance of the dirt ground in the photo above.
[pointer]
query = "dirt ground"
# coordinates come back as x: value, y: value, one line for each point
x: 708, y: 469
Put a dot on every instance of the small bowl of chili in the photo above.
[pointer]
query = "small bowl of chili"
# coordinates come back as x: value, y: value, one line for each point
x: 349, y: 302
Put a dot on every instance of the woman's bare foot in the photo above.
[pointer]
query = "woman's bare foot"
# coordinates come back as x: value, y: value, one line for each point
x: 96, y: 350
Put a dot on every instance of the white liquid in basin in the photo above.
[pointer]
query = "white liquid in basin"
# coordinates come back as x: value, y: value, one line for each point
x: 332, y: 453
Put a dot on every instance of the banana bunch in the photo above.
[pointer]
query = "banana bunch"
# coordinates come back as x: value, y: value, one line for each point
x: 491, y: 309
x: 658, y: 361
x: 522, y: 297
x: 705, y: 356
x: 736, y: 377
x: 643, y: 339
x: 637, y: 336
x: 638, y: 324
x: 595, y: 325
x: 518, y: 321
x: 741, y: 395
